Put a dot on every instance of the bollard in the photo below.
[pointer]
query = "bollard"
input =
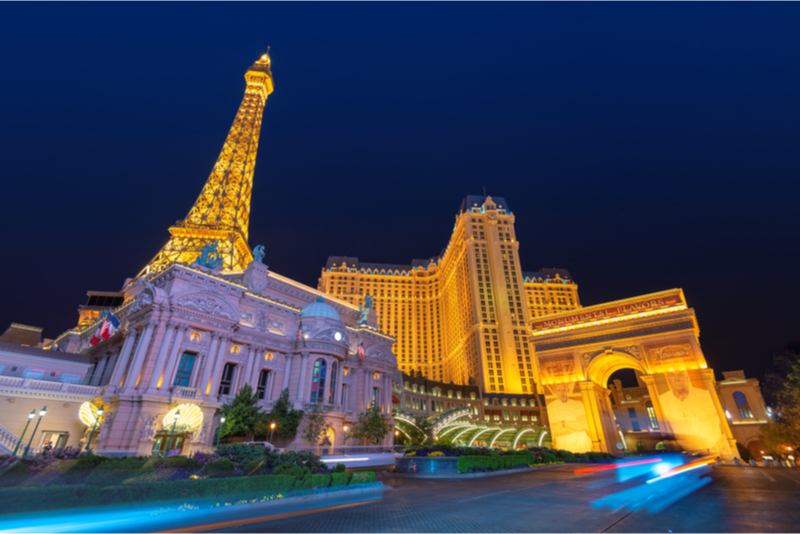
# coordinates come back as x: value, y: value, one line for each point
x: 736, y: 461
x: 753, y: 463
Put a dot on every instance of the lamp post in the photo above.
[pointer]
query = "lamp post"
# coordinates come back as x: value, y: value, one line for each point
x: 172, y: 433
x: 344, y: 436
x: 30, y: 416
x: 41, y: 414
x: 271, y: 430
x: 96, y: 420
x: 219, y: 428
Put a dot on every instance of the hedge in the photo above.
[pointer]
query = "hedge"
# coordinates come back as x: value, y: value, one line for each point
x: 362, y: 477
x: 469, y: 463
x: 31, y: 499
x: 340, y: 479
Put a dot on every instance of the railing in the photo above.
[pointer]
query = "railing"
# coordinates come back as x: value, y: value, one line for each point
x: 180, y: 391
x: 348, y: 450
x: 47, y: 385
x: 8, y: 440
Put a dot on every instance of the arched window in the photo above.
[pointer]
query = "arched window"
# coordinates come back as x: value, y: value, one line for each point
x: 318, y: 382
x: 651, y: 413
x: 334, y: 375
x: 744, y: 407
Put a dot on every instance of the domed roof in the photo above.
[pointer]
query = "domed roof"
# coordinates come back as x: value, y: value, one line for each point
x: 320, y: 309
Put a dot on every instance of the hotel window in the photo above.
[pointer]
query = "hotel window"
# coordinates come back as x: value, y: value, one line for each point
x: 227, y: 379
x: 743, y: 405
x: 636, y: 427
x: 261, y: 388
x: 185, y: 366
x: 632, y: 413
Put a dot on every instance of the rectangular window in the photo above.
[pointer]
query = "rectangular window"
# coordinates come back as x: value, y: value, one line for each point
x: 636, y: 427
x: 632, y: 413
x: 184, y: 373
x: 227, y: 379
x: 263, y: 378
x: 376, y: 396
x: 651, y: 412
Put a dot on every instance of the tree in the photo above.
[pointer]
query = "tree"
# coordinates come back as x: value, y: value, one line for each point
x: 286, y: 418
x: 316, y: 423
x: 241, y: 415
x: 372, y: 425
x: 783, y: 389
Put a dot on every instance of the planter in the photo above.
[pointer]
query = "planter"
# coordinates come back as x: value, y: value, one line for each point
x: 416, y: 465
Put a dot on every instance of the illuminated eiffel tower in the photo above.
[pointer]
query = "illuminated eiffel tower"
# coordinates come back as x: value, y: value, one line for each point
x: 222, y: 211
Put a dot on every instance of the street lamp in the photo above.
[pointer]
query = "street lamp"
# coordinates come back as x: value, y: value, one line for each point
x: 30, y: 416
x: 172, y: 433
x: 41, y: 414
x: 271, y: 430
x: 96, y: 420
x: 344, y: 437
x: 219, y: 428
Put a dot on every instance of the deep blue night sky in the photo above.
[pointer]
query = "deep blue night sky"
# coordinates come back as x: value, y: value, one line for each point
x: 641, y: 146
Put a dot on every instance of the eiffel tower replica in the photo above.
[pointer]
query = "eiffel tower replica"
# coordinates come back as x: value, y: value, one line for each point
x: 222, y: 211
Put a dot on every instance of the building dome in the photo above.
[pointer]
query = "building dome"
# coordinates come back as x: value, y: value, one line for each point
x: 320, y: 309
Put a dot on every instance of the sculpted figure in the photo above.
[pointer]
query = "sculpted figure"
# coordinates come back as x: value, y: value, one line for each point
x: 209, y: 257
x: 368, y: 302
x: 364, y: 314
x: 258, y: 254
x: 691, y: 414
x: 568, y: 421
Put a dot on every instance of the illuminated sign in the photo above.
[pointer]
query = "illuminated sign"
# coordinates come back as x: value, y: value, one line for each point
x: 610, y: 311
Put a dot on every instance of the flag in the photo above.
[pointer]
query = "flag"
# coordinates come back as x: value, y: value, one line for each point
x: 106, y: 329
x: 361, y: 350
x: 299, y: 333
x: 59, y: 349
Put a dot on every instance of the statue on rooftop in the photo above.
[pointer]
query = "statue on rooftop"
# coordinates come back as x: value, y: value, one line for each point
x: 209, y: 257
x: 364, y: 309
x: 368, y: 302
x: 258, y: 254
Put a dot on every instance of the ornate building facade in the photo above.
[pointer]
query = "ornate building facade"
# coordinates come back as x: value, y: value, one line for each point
x: 206, y: 316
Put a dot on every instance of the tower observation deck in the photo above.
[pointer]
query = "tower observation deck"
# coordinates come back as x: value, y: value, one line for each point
x: 222, y: 211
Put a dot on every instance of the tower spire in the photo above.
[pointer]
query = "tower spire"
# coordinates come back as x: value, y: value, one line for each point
x: 222, y: 211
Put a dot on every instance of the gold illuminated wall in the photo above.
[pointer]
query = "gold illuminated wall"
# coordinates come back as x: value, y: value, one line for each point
x: 465, y: 314
x: 222, y: 211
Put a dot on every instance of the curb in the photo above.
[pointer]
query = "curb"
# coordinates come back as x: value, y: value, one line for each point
x: 459, y: 476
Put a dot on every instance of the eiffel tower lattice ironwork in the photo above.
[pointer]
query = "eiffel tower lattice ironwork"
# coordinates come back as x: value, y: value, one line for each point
x: 222, y: 211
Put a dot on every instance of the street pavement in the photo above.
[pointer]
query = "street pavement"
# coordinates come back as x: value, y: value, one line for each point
x: 741, y: 499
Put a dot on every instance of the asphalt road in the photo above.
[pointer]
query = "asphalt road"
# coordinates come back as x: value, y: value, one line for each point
x: 555, y: 500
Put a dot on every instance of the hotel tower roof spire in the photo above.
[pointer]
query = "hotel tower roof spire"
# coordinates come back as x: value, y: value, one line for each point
x: 222, y: 211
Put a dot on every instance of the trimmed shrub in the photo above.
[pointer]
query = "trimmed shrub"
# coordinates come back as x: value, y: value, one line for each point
x: 468, y: 464
x: 115, y: 471
x: 362, y: 477
x: 301, y: 484
x: 340, y: 468
x: 240, y: 454
x: 297, y: 471
x: 549, y: 458
x: 256, y: 467
x: 219, y: 469
x: 340, y: 479
x: 320, y: 481
x: 175, y: 462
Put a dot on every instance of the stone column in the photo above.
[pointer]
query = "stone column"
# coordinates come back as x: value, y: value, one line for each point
x: 339, y: 385
x: 208, y: 365
x: 327, y: 389
x: 708, y: 380
x: 270, y: 384
x: 99, y: 369
x: 652, y: 389
x: 247, y: 376
x: 219, y: 364
x: 387, y: 393
x: 300, y: 393
x: 122, y: 361
x: 367, y: 389
x: 287, y: 368
x: 160, y: 360
x: 111, y: 362
x: 139, y: 357
x: 174, y: 358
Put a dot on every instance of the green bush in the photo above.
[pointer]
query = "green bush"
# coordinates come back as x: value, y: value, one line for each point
x: 115, y: 471
x: 549, y: 458
x: 362, y: 477
x: 301, y: 484
x: 175, y: 462
x: 340, y: 479
x: 340, y: 468
x: 495, y: 462
x: 297, y: 471
x: 219, y: 469
x: 256, y: 467
x: 320, y: 481
x: 241, y: 454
